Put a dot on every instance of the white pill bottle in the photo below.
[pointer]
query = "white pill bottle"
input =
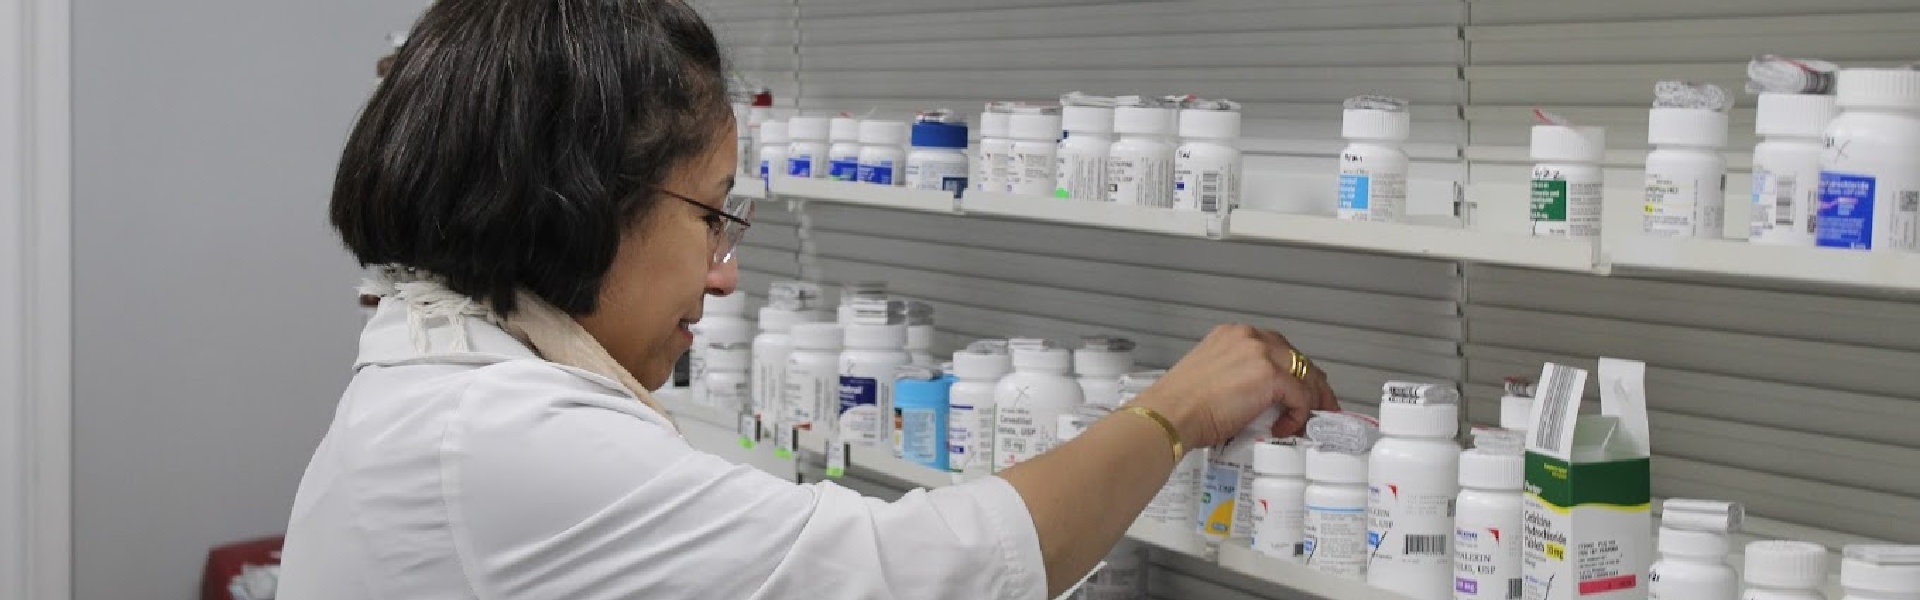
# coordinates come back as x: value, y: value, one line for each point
x: 1373, y: 166
x: 1870, y: 166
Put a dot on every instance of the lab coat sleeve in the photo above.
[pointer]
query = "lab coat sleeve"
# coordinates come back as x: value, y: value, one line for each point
x: 580, y: 497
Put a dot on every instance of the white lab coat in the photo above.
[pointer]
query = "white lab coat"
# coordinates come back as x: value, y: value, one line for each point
x: 495, y: 474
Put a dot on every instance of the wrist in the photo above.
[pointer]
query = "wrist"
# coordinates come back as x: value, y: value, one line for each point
x: 1186, y: 417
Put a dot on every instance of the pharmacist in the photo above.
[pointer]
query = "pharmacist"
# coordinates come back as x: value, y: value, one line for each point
x: 546, y: 182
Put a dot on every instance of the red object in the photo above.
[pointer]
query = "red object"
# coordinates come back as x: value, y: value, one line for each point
x: 1597, y: 586
x: 226, y: 562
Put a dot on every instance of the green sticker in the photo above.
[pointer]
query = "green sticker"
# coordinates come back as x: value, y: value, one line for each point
x: 1549, y: 201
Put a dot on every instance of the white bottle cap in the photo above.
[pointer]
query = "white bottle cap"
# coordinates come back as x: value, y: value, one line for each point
x: 1880, y: 568
x: 1798, y: 115
x: 808, y: 129
x: 993, y: 124
x: 1210, y: 124
x: 724, y: 331
x: 1516, y: 413
x: 1486, y: 470
x: 1033, y: 127
x: 817, y: 336
x: 1685, y: 542
x: 1364, y: 124
x: 1336, y: 467
x: 981, y: 365
x: 1562, y: 143
x: 1878, y: 88
x: 1102, y: 363
x: 1087, y: 119
x: 1421, y: 420
x: 843, y: 129
x: 1786, y: 564
x: 781, y: 320
x: 1686, y: 127
x: 876, y: 337
x: 1052, y: 361
x: 730, y: 357
x: 919, y: 337
x: 731, y: 304
x: 883, y: 133
x: 1276, y: 458
x: 1143, y: 120
x: 773, y: 132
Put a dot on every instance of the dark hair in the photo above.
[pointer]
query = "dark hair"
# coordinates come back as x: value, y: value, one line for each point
x: 515, y: 141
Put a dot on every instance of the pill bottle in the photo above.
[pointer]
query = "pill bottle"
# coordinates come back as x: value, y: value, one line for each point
x: 1413, y: 480
x: 1029, y: 402
x: 773, y: 148
x: 722, y: 321
x: 812, y: 379
x: 1785, y: 570
x: 807, y: 154
x: 1686, y: 177
x: 1786, y: 167
x: 1140, y: 163
x: 873, y: 350
x: 990, y: 165
x: 977, y: 369
x: 1486, y: 522
x: 1033, y: 151
x: 1206, y: 166
x: 882, y: 160
x: 1373, y: 166
x: 1880, y: 572
x: 1080, y: 167
x: 920, y: 399
x: 1334, y: 537
x: 939, y: 157
x: 1870, y: 163
x: 843, y: 155
x: 1567, y: 182
x: 1279, y: 498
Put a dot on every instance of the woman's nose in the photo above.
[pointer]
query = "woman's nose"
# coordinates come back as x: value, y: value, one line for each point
x: 724, y: 277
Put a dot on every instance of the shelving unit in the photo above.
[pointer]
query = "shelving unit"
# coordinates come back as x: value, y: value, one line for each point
x: 1651, y: 256
x: 865, y: 194
x: 1417, y: 240
x: 1106, y: 215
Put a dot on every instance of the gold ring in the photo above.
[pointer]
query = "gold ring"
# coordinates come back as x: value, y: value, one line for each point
x: 1300, y: 366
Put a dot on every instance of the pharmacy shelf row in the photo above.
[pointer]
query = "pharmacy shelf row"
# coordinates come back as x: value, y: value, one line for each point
x: 1624, y: 254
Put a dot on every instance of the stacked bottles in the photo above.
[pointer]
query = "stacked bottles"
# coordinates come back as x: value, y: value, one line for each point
x: 1029, y: 402
x: 1686, y: 179
x: 977, y: 369
x: 1373, y: 167
x: 1693, y: 548
x: 722, y: 321
x: 1412, y: 482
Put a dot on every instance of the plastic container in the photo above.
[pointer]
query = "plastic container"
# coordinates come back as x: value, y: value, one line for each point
x: 807, y: 154
x: 1335, y: 534
x: 871, y: 355
x: 1030, y: 401
x: 722, y: 321
x: 853, y: 293
x: 773, y: 148
x: 1226, y: 499
x: 843, y: 155
x: 882, y: 159
x: 921, y: 404
x: 1686, y: 178
x: 1206, y: 166
x: 1692, y: 566
x: 1279, y: 498
x: 990, y: 166
x: 1785, y: 570
x: 977, y: 369
x: 1033, y: 151
x: 1786, y: 167
x: 812, y: 379
x: 1870, y: 164
x: 1880, y: 572
x: 939, y: 157
x: 1100, y: 362
x: 1412, y: 482
x: 1373, y: 167
x: 1080, y: 161
x: 770, y: 351
x: 1487, y: 530
x: 1140, y: 163
x: 727, y: 384
x: 1567, y: 183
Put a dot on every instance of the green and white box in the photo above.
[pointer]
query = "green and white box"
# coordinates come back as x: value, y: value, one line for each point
x: 1588, y: 524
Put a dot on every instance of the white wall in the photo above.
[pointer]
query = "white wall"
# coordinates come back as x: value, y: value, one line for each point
x: 214, y: 316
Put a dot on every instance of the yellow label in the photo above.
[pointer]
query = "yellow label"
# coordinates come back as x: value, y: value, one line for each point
x: 1556, y: 471
x: 1556, y: 552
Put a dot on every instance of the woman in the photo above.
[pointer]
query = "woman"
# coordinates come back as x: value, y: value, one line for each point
x: 546, y: 181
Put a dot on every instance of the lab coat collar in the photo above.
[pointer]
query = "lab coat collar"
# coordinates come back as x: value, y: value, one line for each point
x: 388, y: 340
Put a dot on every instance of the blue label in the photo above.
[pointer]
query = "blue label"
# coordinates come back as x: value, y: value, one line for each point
x: 858, y: 391
x: 800, y: 166
x: 1845, y: 217
x: 844, y: 170
x: 1306, y: 546
x: 763, y: 170
x: 880, y: 172
x: 1355, y: 192
x: 954, y: 184
x: 1373, y: 539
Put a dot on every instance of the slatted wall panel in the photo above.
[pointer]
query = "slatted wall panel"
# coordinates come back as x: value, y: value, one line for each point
x: 759, y: 37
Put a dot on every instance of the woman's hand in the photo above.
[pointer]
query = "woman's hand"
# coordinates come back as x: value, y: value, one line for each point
x: 1235, y: 373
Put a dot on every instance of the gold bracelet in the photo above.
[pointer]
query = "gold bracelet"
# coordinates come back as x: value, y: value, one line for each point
x: 1173, y: 435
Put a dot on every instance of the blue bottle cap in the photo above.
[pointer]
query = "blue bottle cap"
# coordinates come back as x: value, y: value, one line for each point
x: 940, y: 135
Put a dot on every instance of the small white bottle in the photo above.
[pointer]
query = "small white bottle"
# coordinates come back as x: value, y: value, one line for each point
x: 843, y: 156
x: 1413, y: 479
x: 1693, y: 547
x: 1373, y: 167
x: 807, y: 154
x: 1029, y: 402
x: 748, y: 130
x: 920, y: 333
x: 722, y: 321
x: 1686, y: 179
x: 874, y: 350
x: 1279, y: 498
x: 1785, y: 570
x: 1870, y: 168
x: 970, y: 408
x: 1099, y: 363
x: 939, y: 157
x: 770, y: 352
x: 1880, y: 572
x: 773, y: 148
x: 990, y: 165
x: 1033, y: 151
x: 1140, y: 163
x: 1226, y: 500
x: 1567, y: 183
x: 1786, y: 166
x: 882, y: 159
x: 727, y: 383
x: 1080, y: 167
x: 1206, y: 166
x: 1486, y: 523
x: 813, y: 376
x: 1335, y: 534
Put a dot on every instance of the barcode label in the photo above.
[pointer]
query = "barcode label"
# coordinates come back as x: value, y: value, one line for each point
x: 1210, y: 191
x: 1426, y: 544
x: 1558, y: 395
x: 1910, y: 201
x: 1783, y: 193
x: 1513, y: 588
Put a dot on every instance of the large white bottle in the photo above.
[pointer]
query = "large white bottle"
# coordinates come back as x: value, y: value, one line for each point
x: 812, y: 392
x: 1140, y: 163
x: 770, y: 352
x: 1880, y: 572
x: 1686, y: 177
x: 1029, y: 402
x: 722, y: 321
x: 970, y: 408
x: 1412, y: 482
x: 1373, y: 167
x: 1100, y: 362
x: 1486, y: 536
x: 1786, y: 167
x: 1335, y: 532
x: 875, y: 349
x: 1870, y: 166
x: 1693, y: 548
x: 1080, y: 169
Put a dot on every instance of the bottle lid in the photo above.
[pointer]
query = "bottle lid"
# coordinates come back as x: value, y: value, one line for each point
x: 1716, y: 516
x: 1687, y: 542
x: 931, y: 390
x: 981, y: 364
x: 1210, y: 124
x: 1687, y: 127
x: 724, y: 329
x: 817, y: 336
x: 1327, y: 466
x: 1143, y: 120
x: 734, y: 304
x: 919, y: 337
x: 1486, y: 469
x: 930, y: 134
x: 729, y: 357
x: 1516, y: 413
x: 1786, y: 564
x: 1799, y: 115
x: 876, y: 337
x: 1132, y: 384
x: 781, y: 320
x: 773, y: 132
x: 807, y: 129
x: 883, y: 133
x: 1566, y: 143
x: 1283, y: 457
x: 844, y: 129
x: 1369, y: 124
x: 1039, y: 127
x: 1101, y: 356
x: 1880, y: 568
x: 1087, y: 119
x: 1419, y: 420
x: 994, y: 123
x: 1056, y: 361
x: 1879, y: 88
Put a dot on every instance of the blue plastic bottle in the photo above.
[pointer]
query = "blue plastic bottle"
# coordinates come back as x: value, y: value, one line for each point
x: 920, y: 409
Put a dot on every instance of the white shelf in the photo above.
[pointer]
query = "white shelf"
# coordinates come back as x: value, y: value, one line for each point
x: 882, y: 462
x: 1417, y: 240
x: 1183, y: 540
x: 1246, y: 561
x: 864, y: 194
x: 1638, y: 254
x: 1107, y: 215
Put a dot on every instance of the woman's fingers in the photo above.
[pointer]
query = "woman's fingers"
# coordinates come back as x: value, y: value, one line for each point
x: 1297, y: 398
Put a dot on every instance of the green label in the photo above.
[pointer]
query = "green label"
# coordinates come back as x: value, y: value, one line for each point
x: 1549, y: 200
x: 1563, y: 484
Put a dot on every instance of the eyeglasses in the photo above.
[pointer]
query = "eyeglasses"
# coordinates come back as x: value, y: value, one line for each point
x: 724, y: 227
